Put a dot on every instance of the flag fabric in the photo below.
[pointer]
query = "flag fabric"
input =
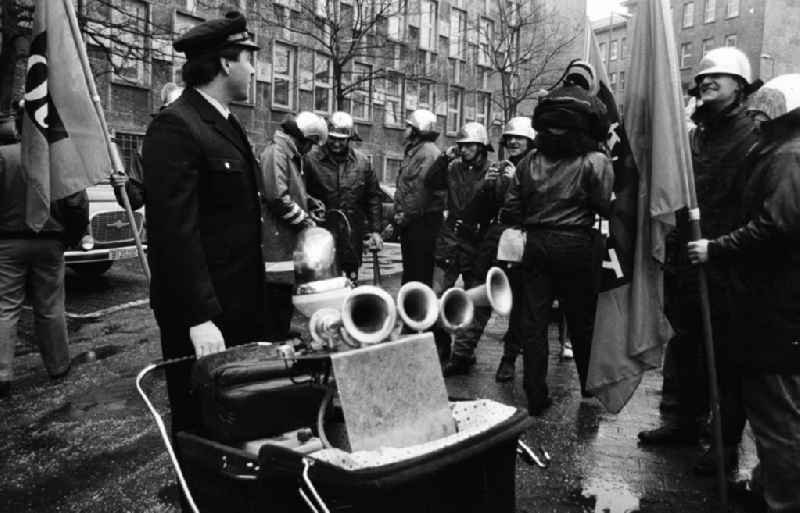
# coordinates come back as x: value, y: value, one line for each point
x: 64, y: 149
x: 652, y: 163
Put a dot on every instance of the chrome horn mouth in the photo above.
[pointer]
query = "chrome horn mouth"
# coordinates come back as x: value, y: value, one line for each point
x: 456, y: 309
x: 495, y: 292
x: 417, y: 306
x: 369, y: 314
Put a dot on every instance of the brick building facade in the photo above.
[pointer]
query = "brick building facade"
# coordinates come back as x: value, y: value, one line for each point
x: 435, y: 61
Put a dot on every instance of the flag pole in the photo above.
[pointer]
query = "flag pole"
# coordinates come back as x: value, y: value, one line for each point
x: 708, y: 339
x: 113, y: 153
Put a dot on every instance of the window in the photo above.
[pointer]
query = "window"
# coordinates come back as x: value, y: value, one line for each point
x: 688, y: 15
x: 686, y: 55
x: 283, y: 75
x: 603, y: 54
x: 458, y: 30
x: 359, y: 96
x: 731, y: 40
x: 128, y: 145
x: 482, y: 101
x: 391, y: 166
x: 454, y: 71
x: 128, y: 48
x: 708, y: 44
x: 612, y: 82
x: 182, y: 24
x: 709, y: 11
x: 411, y: 97
x: 323, y: 80
x: 393, y: 103
x: 732, y: 9
x: 486, y: 37
x: 429, y: 21
x: 394, y: 23
x: 426, y: 98
x: 621, y: 81
x: 614, y: 50
x: 454, y: 110
x: 623, y: 48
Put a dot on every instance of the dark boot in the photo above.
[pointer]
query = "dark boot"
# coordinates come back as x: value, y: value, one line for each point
x: 538, y: 408
x: 669, y: 434
x: 706, y: 464
x: 505, y: 372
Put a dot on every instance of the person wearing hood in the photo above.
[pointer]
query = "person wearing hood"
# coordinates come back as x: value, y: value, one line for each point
x: 764, y: 252
x: 288, y: 210
x: 462, y: 179
x: 556, y: 193
x: 724, y: 133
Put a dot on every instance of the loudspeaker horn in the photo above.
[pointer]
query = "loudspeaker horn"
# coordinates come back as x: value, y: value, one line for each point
x: 417, y: 306
x: 369, y: 314
x: 495, y: 292
x: 455, y: 309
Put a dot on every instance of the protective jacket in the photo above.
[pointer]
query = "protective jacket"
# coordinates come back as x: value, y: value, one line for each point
x: 765, y: 252
x: 559, y: 194
x: 719, y: 145
x: 285, y: 206
x: 350, y: 186
x: 462, y: 182
x: 412, y: 198
x: 204, y: 228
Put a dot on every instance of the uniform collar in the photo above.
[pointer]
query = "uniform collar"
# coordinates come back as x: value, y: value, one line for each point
x: 224, y: 111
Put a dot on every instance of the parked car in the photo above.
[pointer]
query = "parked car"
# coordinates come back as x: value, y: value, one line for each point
x: 109, y: 236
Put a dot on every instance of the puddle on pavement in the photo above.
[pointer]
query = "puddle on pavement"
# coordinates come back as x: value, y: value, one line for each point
x: 98, y: 353
x: 118, y: 397
x: 610, y: 497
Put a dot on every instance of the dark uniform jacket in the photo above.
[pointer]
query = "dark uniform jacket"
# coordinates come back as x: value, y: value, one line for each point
x: 286, y: 202
x: 203, y: 220
x: 462, y: 182
x: 350, y: 186
x: 559, y: 194
x: 412, y: 198
x: 68, y: 216
x: 765, y: 252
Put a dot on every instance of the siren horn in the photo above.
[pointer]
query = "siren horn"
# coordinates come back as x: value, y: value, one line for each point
x: 495, y: 292
x: 369, y: 314
x: 417, y: 306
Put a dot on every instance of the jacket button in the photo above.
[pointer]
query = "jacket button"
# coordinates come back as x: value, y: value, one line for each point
x: 227, y: 165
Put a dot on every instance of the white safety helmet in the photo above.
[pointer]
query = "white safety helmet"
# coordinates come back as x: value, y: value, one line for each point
x: 423, y: 121
x: 341, y: 126
x: 474, y: 132
x: 778, y: 96
x: 520, y: 127
x: 725, y: 60
x: 169, y: 93
x: 312, y: 126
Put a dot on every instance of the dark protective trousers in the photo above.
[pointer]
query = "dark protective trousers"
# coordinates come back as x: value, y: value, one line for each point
x: 687, y: 349
x: 279, y: 311
x: 564, y: 264
x: 417, y: 245
x: 772, y: 403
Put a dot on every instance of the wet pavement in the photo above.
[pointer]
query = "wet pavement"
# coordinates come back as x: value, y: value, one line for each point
x: 86, y: 443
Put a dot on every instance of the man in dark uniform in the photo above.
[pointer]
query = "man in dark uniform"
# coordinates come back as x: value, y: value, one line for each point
x: 203, y: 215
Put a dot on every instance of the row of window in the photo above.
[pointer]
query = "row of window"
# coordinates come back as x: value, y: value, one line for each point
x: 616, y: 49
x: 709, y: 11
x: 687, y: 49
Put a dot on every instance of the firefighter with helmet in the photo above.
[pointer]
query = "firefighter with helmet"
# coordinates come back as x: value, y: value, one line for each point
x: 724, y: 133
x: 418, y: 209
x: 342, y: 178
x: 288, y: 209
x: 462, y: 174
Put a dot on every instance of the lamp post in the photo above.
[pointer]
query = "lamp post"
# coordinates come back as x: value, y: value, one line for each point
x: 771, y: 60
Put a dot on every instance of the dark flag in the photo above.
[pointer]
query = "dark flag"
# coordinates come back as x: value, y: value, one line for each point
x: 63, y: 145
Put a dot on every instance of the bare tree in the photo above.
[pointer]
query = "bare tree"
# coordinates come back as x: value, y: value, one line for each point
x: 15, y: 20
x: 363, y: 39
x: 524, y: 47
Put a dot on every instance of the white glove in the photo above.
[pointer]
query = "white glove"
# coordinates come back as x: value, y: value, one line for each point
x: 207, y: 339
x: 375, y: 242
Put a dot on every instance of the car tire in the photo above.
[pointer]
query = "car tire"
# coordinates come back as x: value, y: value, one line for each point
x: 93, y: 268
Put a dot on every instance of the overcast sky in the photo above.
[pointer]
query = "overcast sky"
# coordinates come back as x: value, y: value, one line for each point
x: 600, y: 8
